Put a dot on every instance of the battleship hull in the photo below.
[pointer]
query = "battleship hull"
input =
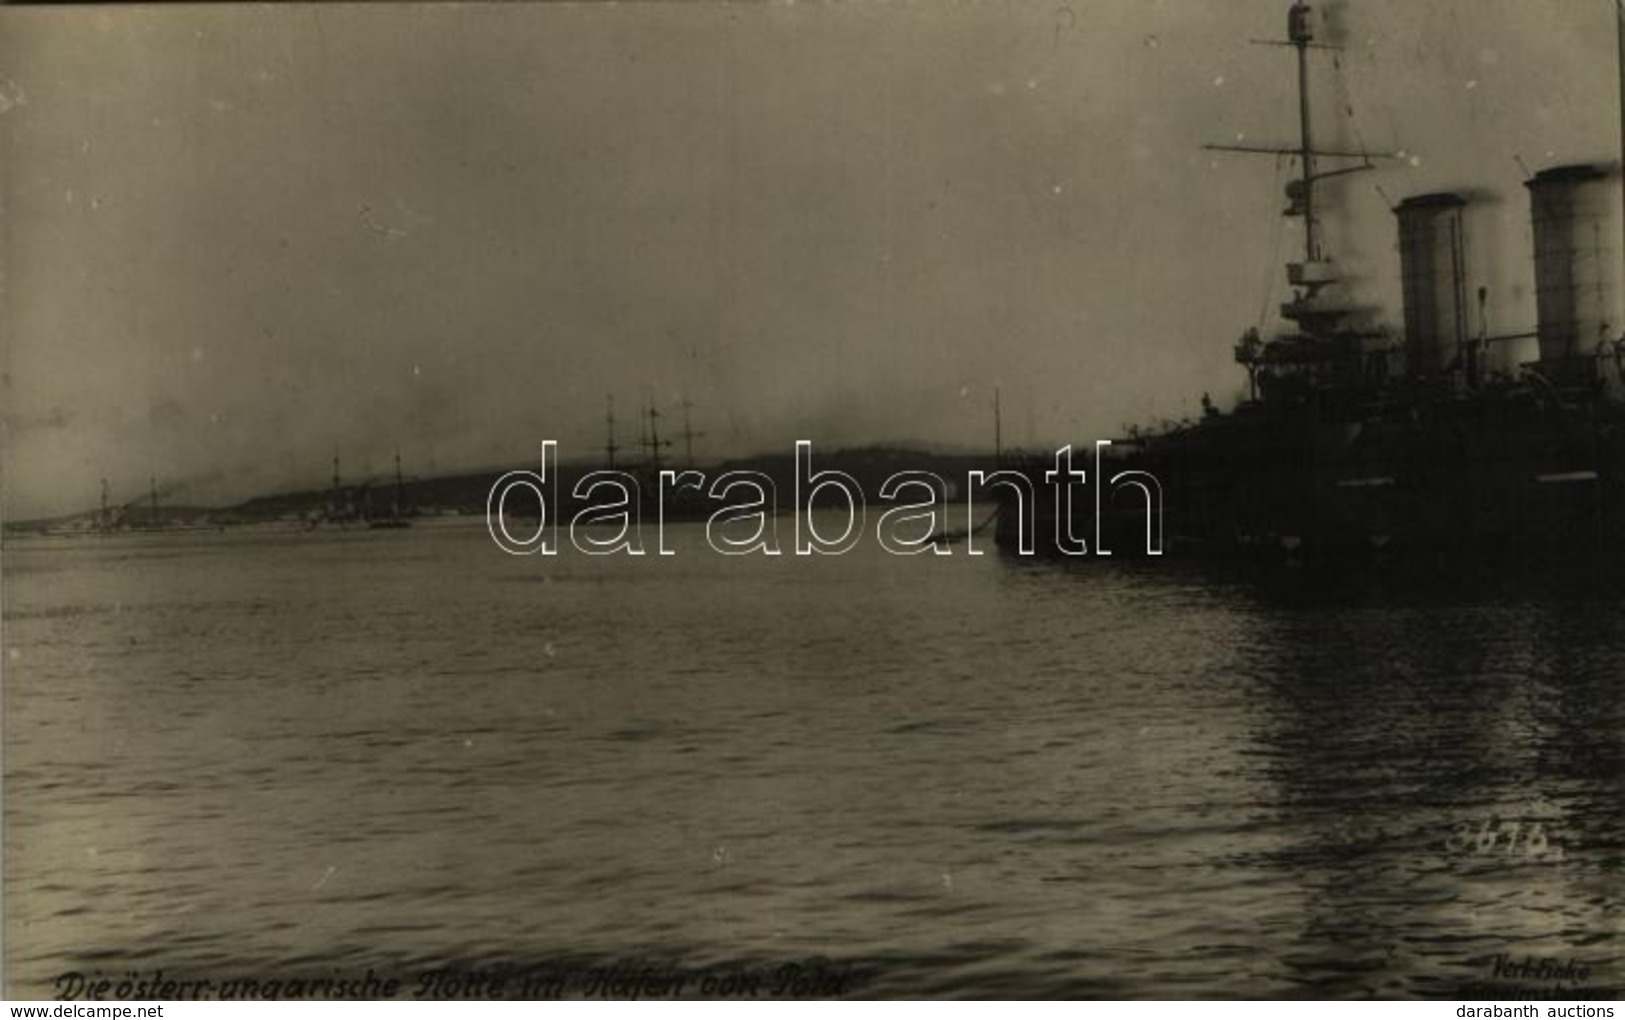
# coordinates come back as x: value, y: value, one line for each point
x: 1504, y: 475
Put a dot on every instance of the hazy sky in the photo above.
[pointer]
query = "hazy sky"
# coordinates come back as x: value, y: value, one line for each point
x: 239, y: 239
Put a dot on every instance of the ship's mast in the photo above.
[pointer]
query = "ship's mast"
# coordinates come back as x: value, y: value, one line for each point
x: 654, y: 442
x: 395, y: 509
x: 1619, y: 74
x: 998, y: 430
x: 609, y: 430
x: 1315, y: 272
x: 689, y: 435
x: 334, y: 511
x: 1301, y: 34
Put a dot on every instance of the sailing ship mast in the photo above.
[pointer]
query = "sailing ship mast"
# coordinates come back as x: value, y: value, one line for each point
x: 653, y: 442
x: 395, y: 505
x: 998, y: 430
x: 689, y: 435
x: 610, y: 448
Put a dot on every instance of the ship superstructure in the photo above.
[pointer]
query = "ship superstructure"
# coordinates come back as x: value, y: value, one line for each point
x: 1349, y: 443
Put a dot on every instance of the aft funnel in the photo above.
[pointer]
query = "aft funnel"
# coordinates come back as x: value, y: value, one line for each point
x: 1577, y: 261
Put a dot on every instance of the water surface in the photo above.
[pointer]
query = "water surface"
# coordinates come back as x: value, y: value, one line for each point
x: 284, y: 754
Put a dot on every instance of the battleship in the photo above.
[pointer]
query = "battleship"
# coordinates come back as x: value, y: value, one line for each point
x: 353, y: 505
x: 1352, y: 443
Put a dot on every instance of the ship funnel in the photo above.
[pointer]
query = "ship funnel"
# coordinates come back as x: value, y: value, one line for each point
x: 1434, y: 277
x: 1577, y: 261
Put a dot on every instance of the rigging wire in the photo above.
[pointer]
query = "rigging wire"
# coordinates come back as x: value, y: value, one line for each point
x: 1273, y: 265
x: 1346, y: 99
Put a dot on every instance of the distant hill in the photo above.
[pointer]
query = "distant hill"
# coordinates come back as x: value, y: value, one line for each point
x: 467, y: 493
x: 130, y: 518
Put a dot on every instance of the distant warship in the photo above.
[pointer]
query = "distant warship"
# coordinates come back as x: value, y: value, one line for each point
x: 1349, y: 444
